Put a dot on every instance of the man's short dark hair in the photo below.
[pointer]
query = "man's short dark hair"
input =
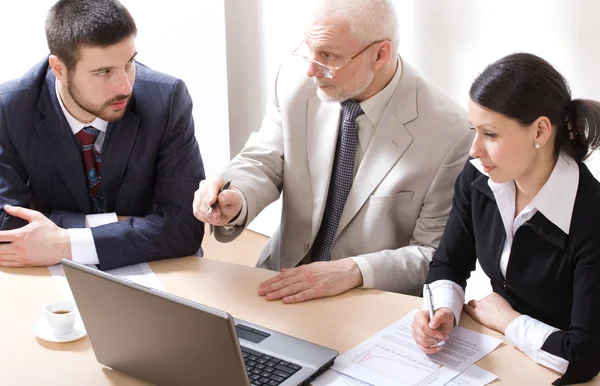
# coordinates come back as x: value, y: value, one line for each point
x: 72, y: 24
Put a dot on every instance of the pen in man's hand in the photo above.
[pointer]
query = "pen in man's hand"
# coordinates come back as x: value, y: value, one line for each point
x: 429, y: 298
x: 214, y: 204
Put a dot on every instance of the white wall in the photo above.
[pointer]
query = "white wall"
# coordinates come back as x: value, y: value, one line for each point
x: 260, y: 34
x: 171, y: 39
x: 245, y: 59
x: 452, y: 42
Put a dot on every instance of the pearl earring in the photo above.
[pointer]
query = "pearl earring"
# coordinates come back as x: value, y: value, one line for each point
x: 538, y: 145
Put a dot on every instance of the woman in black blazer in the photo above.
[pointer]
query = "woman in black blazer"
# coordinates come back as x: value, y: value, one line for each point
x: 528, y: 209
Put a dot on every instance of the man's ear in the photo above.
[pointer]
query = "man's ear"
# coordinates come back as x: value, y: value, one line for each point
x: 58, y: 67
x: 384, y: 54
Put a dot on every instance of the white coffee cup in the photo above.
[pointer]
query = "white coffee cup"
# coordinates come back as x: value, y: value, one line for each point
x: 60, y: 316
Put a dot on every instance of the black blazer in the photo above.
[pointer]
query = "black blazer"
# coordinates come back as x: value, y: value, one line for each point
x: 151, y: 166
x: 551, y: 276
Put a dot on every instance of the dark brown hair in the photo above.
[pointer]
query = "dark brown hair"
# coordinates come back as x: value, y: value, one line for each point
x: 525, y: 87
x: 71, y: 24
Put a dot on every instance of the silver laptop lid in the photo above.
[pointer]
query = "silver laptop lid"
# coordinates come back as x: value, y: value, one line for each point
x: 153, y: 335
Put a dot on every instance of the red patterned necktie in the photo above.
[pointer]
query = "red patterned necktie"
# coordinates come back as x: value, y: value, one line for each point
x: 93, y: 166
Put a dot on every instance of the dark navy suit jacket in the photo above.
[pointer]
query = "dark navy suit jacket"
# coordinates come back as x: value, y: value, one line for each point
x: 151, y: 166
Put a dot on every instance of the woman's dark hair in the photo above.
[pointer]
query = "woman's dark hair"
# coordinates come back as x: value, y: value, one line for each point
x: 525, y: 87
x: 71, y: 24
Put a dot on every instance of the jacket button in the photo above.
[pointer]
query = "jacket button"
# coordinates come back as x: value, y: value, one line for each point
x: 504, y: 284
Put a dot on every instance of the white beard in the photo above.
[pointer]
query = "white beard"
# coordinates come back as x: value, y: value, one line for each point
x: 361, y: 81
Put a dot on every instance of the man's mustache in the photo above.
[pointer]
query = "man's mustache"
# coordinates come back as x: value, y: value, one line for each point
x: 118, y: 98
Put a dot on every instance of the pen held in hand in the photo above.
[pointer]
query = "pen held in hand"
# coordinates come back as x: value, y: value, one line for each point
x: 429, y: 299
x: 214, y: 204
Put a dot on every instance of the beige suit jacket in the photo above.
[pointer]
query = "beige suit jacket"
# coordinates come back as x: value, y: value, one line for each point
x: 400, y: 198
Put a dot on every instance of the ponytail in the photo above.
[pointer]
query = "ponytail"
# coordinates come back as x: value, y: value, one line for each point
x: 580, y: 132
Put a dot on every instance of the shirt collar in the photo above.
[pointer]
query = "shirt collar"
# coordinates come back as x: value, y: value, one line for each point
x: 75, y: 124
x: 556, y: 199
x: 375, y: 105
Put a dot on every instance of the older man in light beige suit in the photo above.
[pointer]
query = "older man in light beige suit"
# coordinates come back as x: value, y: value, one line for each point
x: 411, y: 142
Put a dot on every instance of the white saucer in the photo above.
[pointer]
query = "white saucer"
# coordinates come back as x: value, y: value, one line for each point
x: 42, y: 330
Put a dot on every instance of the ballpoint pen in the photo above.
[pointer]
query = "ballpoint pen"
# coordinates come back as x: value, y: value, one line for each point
x: 429, y: 300
x: 214, y: 204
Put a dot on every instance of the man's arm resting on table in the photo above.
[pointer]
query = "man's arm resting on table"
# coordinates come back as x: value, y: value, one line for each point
x: 170, y: 229
x: 83, y: 249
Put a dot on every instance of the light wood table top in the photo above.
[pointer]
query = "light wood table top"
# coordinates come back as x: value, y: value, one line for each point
x: 340, y: 323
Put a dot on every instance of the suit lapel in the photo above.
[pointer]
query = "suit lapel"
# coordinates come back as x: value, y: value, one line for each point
x: 120, y: 138
x: 481, y: 184
x: 389, y: 143
x: 323, y: 122
x: 495, y: 224
x: 64, y: 150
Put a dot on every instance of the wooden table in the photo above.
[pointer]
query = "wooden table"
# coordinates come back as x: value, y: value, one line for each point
x: 340, y: 323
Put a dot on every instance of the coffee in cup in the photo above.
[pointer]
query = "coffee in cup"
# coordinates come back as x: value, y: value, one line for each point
x: 60, y: 315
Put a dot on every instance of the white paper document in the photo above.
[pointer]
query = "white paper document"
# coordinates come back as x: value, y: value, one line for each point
x: 138, y: 273
x: 391, y: 357
x: 473, y: 376
x: 333, y: 378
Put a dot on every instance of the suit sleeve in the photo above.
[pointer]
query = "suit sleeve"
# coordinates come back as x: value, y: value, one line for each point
x: 456, y: 256
x: 580, y: 344
x: 171, y: 230
x: 257, y: 171
x: 13, y: 178
x: 409, y: 264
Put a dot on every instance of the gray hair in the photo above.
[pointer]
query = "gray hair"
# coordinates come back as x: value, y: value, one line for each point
x: 369, y: 20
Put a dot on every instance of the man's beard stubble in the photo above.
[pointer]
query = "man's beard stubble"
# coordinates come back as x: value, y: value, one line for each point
x: 96, y: 110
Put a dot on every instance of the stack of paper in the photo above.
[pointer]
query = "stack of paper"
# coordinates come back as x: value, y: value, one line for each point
x: 391, y: 357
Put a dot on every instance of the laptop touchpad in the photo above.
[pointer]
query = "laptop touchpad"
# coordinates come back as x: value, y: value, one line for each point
x: 250, y: 334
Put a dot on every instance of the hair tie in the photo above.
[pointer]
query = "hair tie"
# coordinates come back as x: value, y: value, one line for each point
x: 572, y: 133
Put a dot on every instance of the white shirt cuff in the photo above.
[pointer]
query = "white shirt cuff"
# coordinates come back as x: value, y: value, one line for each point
x: 83, y: 249
x: 447, y: 293
x: 95, y: 220
x: 366, y: 270
x: 528, y: 335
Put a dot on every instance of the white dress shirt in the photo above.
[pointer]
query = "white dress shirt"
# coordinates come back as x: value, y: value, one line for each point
x: 366, y: 123
x: 83, y: 249
x: 555, y: 201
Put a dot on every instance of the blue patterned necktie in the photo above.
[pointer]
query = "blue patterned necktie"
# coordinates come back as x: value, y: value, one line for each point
x: 93, y: 166
x: 342, y: 176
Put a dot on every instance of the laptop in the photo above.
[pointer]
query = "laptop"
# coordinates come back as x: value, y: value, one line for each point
x: 168, y: 340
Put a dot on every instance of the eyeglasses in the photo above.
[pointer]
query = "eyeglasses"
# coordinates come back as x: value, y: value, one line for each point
x: 327, y: 71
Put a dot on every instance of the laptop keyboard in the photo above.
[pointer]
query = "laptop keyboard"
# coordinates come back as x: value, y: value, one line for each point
x: 266, y: 370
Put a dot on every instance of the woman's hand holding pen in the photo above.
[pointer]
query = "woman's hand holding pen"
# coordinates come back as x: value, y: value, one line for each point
x: 214, y: 203
x: 425, y: 330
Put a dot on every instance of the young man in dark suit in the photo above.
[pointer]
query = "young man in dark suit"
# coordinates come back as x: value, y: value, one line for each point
x: 98, y: 159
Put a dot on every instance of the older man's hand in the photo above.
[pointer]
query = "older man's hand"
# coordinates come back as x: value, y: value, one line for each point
x: 229, y: 202
x: 312, y: 281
